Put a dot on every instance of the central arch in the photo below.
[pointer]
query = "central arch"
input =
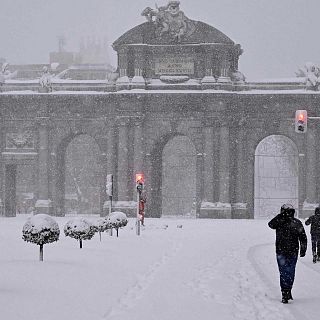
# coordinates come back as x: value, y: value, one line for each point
x: 178, y: 177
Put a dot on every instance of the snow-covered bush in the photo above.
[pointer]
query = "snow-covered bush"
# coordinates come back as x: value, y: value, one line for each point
x: 117, y: 220
x: 79, y: 229
x: 40, y: 229
x: 102, y: 225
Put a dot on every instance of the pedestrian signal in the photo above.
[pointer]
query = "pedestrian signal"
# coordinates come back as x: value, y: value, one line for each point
x: 301, y: 121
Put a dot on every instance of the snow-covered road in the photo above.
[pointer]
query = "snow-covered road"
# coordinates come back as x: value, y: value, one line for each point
x: 221, y: 269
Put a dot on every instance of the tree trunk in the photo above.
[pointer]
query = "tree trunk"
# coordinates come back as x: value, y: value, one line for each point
x: 80, y: 243
x: 117, y: 232
x: 41, y: 252
x: 100, y: 235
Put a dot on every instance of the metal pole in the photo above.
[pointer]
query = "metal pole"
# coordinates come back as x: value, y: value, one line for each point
x: 110, y: 204
x: 138, y: 216
x: 110, y: 210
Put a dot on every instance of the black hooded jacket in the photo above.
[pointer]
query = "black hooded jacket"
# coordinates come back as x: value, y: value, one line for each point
x: 315, y: 223
x: 290, y: 235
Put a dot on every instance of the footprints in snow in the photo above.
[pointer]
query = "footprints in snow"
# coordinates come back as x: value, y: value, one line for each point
x: 135, y: 293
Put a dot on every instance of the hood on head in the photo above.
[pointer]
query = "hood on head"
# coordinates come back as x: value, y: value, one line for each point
x: 287, y: 210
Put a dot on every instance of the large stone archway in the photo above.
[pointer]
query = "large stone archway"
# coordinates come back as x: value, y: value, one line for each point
x: 79, y: 176
x: 276, y: 175
x: 179, y: 177
x: 132, y: 130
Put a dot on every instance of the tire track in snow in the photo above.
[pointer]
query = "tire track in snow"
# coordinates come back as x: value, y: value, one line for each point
x: 135, y: 293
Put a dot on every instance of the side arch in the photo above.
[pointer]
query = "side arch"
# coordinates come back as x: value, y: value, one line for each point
x: 276, y: 175
x: 68, y: 173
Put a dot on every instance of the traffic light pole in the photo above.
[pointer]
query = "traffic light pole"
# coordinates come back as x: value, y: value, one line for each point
x: 138, y: 215
x: 139, y: 189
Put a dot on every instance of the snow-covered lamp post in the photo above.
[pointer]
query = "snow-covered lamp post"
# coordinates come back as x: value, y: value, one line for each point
x: 79, y: 229
x: 40, y: 229
x: 117, y: 220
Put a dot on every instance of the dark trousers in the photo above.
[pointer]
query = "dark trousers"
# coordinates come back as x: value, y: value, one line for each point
x: 315, y: 241
x: 287, y: 270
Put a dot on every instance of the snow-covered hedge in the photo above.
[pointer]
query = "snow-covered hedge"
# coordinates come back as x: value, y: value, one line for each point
x: 79, y: 229
x: 40, y: 229
x: 102, y: 225
x: 117, y: 220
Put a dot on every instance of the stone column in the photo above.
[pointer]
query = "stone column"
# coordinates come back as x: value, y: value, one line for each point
x: 123, y: 82
x: 109, y: 163
x: 43, y: 203
x: 111, y: 150
x: 199, y: 183
x: 123, y: 62
x: 239, y: 208
x: 311, y: 172
x: 224, y: 207
x: 208, y: 164
x: 224, y: 78
x: 138, y: 81
x: 208, y: 81
x: 122, y: 176
x: 251, y: 143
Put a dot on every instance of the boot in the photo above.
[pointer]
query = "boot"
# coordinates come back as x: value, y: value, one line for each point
x: 285, y: 298
x: 314, y: 258
x: 290, y: 295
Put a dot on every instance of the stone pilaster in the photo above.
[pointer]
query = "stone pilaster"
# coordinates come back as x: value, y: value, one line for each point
x: 122, y: 175
x: 123, y: 62
x: 138, y: 81
x: 123, y: 82
x: 311, y: 173
x: 224, y: 78
x: 224, y: 207
x: 109, y: 163
x: 239, y: 207
x: 208, y: 164
x: 208, y: 81
x: 199, y: 182
x: 44, y: 202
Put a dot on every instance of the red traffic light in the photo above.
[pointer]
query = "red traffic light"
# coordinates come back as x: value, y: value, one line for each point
x: 301, y: 121
x: 140, y: 178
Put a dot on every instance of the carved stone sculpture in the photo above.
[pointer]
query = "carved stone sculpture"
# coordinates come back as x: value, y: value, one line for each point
x: 45, y: 80
x: 170, y: 21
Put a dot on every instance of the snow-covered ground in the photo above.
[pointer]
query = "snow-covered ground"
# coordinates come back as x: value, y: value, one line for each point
x: 206, y: 269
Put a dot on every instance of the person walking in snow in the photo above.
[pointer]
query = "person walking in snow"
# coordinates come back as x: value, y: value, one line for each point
x: 290, y: 236
x: 314, y: 220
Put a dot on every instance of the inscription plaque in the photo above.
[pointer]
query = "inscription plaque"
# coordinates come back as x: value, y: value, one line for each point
x: 174, y: 66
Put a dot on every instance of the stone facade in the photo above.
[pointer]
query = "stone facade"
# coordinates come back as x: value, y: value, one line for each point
x: 132, y: 129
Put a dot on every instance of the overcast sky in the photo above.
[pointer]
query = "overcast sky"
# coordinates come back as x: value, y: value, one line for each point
x: 277, y: 36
